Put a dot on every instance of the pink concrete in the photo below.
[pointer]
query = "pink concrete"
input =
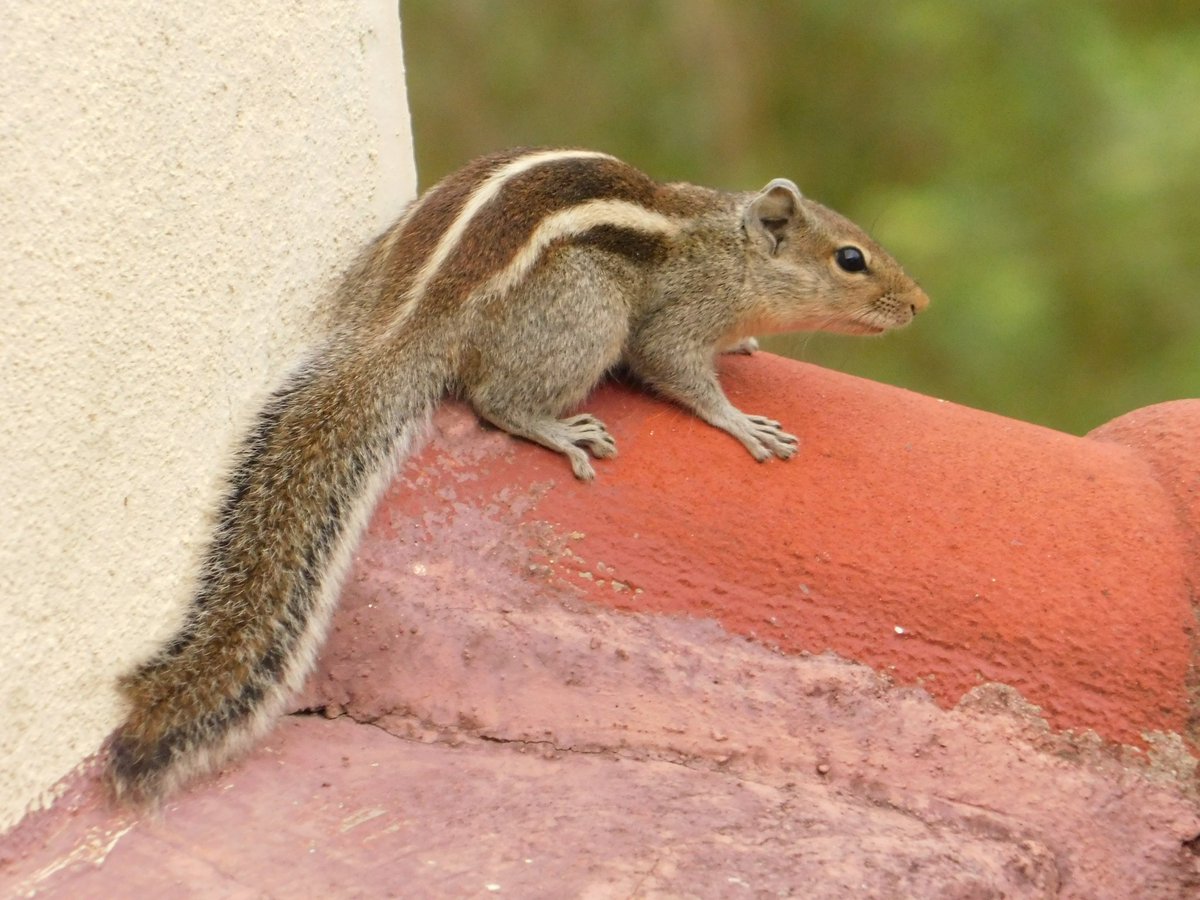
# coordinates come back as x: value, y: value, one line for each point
x: 607, y: 689
x: 636, y: 756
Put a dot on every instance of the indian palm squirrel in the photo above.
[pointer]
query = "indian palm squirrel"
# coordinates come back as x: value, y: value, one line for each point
x: 515, y: 284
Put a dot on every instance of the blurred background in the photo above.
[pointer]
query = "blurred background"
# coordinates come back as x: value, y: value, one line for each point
x: 1036, y: 166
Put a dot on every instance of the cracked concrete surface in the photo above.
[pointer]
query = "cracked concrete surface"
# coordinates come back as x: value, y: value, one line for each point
x: 391, y: 818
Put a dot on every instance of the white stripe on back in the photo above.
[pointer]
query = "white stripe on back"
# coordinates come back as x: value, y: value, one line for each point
x: 479, y: 199
x: 575, y: 220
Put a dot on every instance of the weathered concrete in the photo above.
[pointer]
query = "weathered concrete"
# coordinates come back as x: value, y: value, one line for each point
x: 542, y: 688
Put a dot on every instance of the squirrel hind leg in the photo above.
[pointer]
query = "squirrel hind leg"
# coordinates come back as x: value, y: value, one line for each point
x: 570, y: 436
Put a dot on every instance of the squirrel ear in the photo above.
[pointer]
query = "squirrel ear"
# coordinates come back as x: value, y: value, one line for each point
x: 772, y: 210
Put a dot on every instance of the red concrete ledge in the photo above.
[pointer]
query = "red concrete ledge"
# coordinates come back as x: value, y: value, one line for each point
x: 538, y: 698
x: 1165, y: 436
x: 944, y: 546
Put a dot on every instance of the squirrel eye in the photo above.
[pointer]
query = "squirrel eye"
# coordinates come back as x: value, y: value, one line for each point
x: 850, y: 259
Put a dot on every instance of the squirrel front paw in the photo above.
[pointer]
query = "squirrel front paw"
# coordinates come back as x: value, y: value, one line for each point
x: 767, y: 439
x: 763, y: 437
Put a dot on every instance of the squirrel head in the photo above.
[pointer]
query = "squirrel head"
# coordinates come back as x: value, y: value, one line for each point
x: 813, y: 269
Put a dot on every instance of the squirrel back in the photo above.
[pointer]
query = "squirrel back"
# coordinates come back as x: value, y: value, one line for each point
x: 516, y: 283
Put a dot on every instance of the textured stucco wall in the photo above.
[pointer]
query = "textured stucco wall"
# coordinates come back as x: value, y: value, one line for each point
x: 180, y: 184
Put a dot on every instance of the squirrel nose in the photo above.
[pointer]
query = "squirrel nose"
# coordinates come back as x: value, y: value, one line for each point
x: 917, y: 300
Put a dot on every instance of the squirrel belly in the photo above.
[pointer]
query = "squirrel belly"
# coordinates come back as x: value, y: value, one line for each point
x: 516, y: 284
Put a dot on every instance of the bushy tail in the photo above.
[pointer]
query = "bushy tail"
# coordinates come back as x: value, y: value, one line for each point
x: 306, y: 480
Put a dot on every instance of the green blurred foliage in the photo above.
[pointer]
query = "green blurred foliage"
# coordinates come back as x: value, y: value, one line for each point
x: 1035, y: 165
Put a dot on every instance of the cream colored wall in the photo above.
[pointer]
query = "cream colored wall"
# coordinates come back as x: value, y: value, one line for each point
x: 180, y: 182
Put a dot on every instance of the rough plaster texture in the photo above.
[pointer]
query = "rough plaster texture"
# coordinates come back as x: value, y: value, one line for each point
x: 181, y: 183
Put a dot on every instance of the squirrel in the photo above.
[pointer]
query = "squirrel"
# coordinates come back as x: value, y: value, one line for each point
x: 516, y: 284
